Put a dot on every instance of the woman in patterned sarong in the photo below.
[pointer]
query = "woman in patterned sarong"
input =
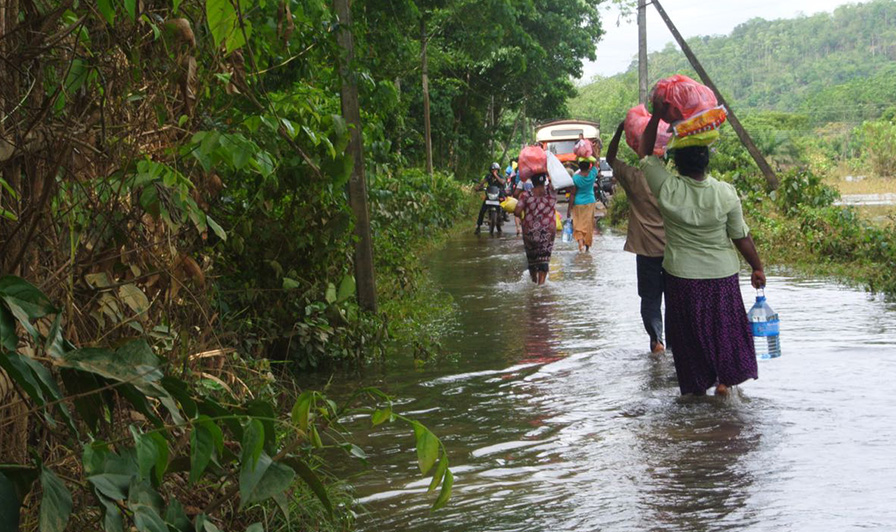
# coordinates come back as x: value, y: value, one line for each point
x: 706, y: 323
x: 537, y: 208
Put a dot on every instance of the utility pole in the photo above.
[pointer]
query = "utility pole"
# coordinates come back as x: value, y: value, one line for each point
x: 357, y: 185
x: 642, y: 51
x: 735, y: 123
x: 424, y: 64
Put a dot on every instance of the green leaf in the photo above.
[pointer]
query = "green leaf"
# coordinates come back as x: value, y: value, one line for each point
x: 290, y: 284
x: 88, y: 404
x: 9, y: 340
x: 9, y: 504
x: 312, y: 480
x: 131, y: 7
x: 147, y: 453
x: 331, y: 293
x: 147, y: 519
x: 265, y: 480
x: 37, y: 381
x: 180, y: 391
x: 381, y: 416
x: 106, y: 10
x: 203, y: 524
x: 264, y: 412
x: 152, y: 452
x: 302, y: 409
x: 112, y: 521
x: 146, y: 503
x: 217, y: 229
x: 445, y: 493
x: 356, y: 451
x: 176, y: 517
x: 133, y: 362
x: 24, y: 300
x: 255, y: 527
x: 114, y: 486
x: 56, y: 505
x: 56, y: 346
x: 346, y: 288
x: 224, y: 24
x: 94, y: 456
x: 253, y: 443
x: 439, y: 472
x: 427, y: 447
x: 205, y: 438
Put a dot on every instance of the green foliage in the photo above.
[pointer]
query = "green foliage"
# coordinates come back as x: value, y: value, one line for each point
x: 129, y: 475
x: 878, y: 139
x: 802, y: 189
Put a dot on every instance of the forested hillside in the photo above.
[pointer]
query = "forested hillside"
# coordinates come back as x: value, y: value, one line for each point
x: 831, y: 67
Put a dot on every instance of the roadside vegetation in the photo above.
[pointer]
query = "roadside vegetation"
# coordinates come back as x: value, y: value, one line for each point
x: 176, y: 244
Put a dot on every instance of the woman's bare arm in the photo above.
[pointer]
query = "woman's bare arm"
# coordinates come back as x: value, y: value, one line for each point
x: 747, y: 248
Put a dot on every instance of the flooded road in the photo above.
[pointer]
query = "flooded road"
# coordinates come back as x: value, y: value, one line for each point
x: 556, y: 418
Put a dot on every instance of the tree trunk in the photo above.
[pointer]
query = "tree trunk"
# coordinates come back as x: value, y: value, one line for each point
x: 427, y: 127
x: 642, y: 51
x: 357, y: 186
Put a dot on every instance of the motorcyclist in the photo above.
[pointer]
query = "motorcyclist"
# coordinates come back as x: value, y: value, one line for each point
x: 492, y: 179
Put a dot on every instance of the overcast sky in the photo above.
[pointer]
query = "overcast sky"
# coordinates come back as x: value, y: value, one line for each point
x: 619, y: 45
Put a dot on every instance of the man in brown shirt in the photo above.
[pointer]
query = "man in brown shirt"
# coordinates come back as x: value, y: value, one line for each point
x: 646, y: 238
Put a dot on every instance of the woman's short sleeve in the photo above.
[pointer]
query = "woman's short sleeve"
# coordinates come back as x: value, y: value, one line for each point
x: 736, y: 226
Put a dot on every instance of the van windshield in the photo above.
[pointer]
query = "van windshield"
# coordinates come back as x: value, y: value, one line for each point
x: 561, y: 146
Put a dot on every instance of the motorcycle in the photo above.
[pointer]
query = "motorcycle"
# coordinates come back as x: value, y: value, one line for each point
x: 493, y: 197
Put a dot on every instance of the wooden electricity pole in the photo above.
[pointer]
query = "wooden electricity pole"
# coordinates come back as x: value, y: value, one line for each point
x: 735, y: 123
x: 357, y: 185
x: 642, y: 51
x: 424, y: 67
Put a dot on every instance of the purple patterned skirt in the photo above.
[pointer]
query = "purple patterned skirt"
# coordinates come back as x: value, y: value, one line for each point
x: 708, y: 333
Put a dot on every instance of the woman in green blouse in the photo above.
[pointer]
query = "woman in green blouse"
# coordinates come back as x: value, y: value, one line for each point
x: 706, y: 323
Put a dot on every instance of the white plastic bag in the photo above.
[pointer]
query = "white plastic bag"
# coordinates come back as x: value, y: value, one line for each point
x: 560, y: 177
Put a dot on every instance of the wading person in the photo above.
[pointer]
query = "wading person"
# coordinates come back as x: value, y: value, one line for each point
x: 536, y: 207
x: 706, y: 324
x: 581, y: 205
x: 646, y: 238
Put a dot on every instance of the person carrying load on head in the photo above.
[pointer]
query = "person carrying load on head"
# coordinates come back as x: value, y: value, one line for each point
x: 646, y: 238
x: 581, y: 204
x: 492, y: 179
x: 706, y: 322
x: 537, y: 207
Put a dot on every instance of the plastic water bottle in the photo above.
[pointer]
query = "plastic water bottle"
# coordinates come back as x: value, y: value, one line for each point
x: 567, y: 230
x: 764, y: 322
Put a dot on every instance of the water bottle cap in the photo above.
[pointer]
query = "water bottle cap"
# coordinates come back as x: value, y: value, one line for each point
x: 760, y: 299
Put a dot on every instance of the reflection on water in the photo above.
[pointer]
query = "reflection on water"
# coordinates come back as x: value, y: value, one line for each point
x: 557, y: 418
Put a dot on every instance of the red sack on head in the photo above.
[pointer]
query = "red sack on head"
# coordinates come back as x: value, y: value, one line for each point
x: 685, y: 97
x: 532, y: 161
x: 584, y: 149
x: 635, y: 123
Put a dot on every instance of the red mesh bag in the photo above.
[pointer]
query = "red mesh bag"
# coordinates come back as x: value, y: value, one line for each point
x: 635, y: 123
x: 532, y: 161
x: 584, y: 149
x: 685, y: 97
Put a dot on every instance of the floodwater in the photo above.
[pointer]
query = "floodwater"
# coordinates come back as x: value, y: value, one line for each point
x: 556, y: 418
